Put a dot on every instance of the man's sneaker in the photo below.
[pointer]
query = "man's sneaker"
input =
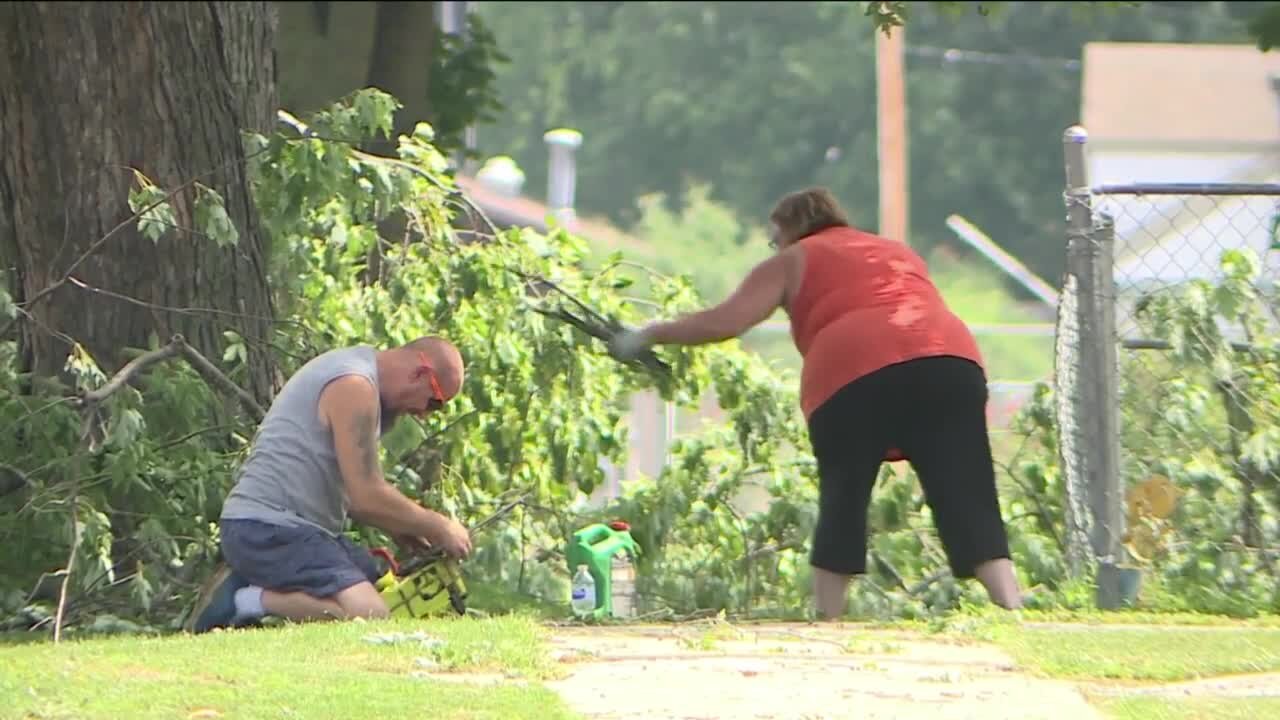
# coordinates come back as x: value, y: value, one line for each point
x: 216, y: 604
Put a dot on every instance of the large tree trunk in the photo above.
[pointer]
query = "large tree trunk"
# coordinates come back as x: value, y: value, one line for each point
x: 400, y: 64
x: 89, y: 91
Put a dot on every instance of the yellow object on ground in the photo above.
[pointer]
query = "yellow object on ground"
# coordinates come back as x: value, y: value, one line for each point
x: 435, y: 589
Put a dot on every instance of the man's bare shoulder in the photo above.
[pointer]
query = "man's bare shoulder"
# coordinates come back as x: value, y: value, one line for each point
x: 346, y: 395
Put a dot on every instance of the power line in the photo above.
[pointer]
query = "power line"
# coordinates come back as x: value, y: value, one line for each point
x: 952, y: 56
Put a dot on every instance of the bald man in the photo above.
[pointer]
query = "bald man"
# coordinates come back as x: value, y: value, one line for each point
x: 313, y: 462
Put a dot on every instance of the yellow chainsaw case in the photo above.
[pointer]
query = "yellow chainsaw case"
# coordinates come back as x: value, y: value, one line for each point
x: 436, y: 589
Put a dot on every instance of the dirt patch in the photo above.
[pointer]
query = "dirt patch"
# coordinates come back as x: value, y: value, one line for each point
x: 796, y: 672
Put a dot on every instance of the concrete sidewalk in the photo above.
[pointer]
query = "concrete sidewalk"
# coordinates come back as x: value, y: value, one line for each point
x: 797, y: 672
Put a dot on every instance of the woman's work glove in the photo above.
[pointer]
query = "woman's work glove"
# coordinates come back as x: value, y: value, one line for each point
x: 630, y: 344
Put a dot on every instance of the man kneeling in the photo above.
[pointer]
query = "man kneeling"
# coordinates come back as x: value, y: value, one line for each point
x: 314, y: 460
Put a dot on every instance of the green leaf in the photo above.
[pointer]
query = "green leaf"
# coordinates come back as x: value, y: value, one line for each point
x: 424, y: 133
x: 212, y: 219
x: 406, y: 437
x: 235, y: 353
x: 1242, y: 265
x: 141, y: 590
x: 8, y: 309
x: 375, y: 111
x: 85, y: 369
x: 1263, y: 450
x: 155, y: 214
x: 126, y: 426
x: 338, y: 235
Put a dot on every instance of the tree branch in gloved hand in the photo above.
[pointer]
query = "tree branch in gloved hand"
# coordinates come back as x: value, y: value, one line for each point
x: 761, y: 293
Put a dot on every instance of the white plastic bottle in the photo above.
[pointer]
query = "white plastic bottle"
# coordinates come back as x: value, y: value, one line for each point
x: 584, y: 592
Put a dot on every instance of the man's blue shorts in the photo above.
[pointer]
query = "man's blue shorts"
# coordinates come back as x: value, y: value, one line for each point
x: 295, y: 558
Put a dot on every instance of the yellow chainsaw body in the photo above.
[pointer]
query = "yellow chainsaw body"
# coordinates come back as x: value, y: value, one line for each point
x: 436, y: 589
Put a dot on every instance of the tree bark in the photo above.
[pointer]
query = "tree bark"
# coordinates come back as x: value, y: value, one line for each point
x: 400, y: 64
x: 90, y: 91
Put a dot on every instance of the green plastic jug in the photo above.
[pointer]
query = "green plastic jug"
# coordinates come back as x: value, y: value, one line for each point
x: 595, y: 546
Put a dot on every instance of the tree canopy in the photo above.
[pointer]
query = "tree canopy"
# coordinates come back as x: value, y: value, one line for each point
x: 756, y: 99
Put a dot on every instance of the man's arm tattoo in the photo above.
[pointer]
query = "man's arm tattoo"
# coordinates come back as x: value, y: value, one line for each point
x: 365, y: 428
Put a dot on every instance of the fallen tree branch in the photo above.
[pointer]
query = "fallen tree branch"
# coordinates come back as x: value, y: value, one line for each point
x: 190, y: 311
x: 913, y: 590
x: 594, y: 324
x: 195, y: 434
x: 32, y: 413
x: 604, y: 332
x: 1043, y: 518
x: 587, y: 310
x: 1041, y: 513
x: 431, y: 555
x: 86, y: 426
x: 770, y: 549
x: 211, y: 373
x: 453, y: 193
x: 932, y: 578
x: 888, y: 569
x: 88, y: 403
x: 451, y: 425
x: 12, y: 479
x: 176, y: 347
x: 91, y: 398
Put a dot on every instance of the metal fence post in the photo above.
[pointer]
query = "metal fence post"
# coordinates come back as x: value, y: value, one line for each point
x: 1073, y: 374
x: 1171, y: 233
x: 1106, y: 495
x: 1095, y: 446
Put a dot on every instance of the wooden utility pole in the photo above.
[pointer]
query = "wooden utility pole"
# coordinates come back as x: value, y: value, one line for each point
x: 891, y: 134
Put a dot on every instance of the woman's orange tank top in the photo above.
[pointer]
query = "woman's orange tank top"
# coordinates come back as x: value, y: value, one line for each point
x: 864, y: 303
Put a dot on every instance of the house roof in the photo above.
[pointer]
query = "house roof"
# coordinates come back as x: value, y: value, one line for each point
x: 1180, y: 93
x: 507, y: 210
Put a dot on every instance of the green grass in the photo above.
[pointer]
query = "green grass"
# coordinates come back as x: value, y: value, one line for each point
x: 1164, y: 654
x: 979, y: 620
x: 1128, y: 649
x: 1200, y: 708
x: 1130, y: 646
x: 332, y: 670
x: 313, y: 671
x: 1140, y: 617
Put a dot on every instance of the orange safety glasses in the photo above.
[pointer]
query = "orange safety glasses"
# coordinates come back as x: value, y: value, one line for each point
x: 438, y: 401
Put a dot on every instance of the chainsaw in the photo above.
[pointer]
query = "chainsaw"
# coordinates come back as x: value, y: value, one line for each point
x: 430, y: 583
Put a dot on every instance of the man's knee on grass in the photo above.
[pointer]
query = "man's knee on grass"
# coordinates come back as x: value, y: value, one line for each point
x: 362, y: 600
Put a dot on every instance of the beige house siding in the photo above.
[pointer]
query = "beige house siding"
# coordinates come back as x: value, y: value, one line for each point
x: 1178, y: 113
x: 1175, y: 94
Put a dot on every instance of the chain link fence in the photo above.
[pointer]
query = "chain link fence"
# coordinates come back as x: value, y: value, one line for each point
x: 1166, y: 379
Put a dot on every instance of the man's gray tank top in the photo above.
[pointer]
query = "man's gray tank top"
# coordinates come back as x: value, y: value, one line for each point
x: 291, y: 475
